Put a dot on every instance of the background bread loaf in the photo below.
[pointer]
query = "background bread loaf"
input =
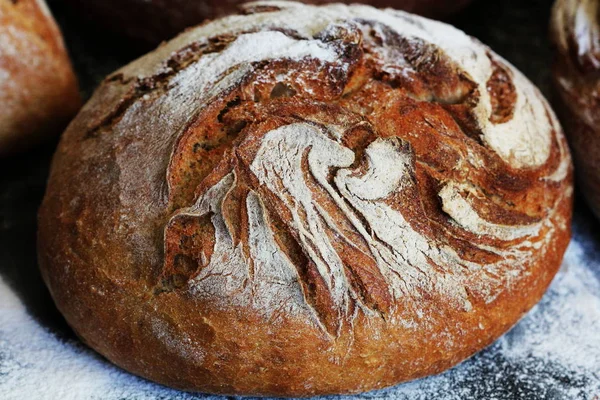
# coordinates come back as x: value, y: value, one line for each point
x: 305, y: 200
x: 38, y: 90
x: 156, y: 20
x: 576, y: 35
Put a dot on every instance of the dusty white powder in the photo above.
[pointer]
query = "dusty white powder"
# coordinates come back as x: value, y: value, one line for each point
x: 524, y: 140
x: 465, y: 215
x: 553, y: 353
x: 408, y: 269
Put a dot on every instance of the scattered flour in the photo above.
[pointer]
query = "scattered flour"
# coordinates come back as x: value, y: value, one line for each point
x: 553, y: 353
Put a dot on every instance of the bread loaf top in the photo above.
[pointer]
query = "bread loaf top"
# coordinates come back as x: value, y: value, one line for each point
x: 335, y: 166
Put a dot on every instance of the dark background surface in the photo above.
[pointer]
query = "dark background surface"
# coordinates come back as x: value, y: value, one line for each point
x: 515, y: 29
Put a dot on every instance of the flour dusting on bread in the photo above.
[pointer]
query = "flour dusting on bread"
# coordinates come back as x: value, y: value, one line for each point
x: 304, y: 200
x: 332, y: 198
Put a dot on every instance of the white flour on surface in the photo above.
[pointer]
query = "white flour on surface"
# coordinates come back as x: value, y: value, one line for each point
x: 553, y: 353
x: 523, y: 140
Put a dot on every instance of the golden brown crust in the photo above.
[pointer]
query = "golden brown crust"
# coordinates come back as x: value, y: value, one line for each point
x: 576, y: 35
x: 294, y: 205
x: 38, y: 89
x: 156, y: 20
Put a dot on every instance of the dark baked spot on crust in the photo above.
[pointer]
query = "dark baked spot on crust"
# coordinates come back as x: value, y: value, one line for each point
x: 256, y: 9
x: 502, y: 92
x: 187, y: 251
x: 282, y: 90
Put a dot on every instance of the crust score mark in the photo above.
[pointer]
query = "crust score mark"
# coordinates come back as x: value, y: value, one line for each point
x: 348, y: 166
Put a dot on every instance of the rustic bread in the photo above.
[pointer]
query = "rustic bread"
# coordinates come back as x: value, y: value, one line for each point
x: 151, y: 21
x: 305, y: 200
x: 576, y: 35
x: 38, y: 90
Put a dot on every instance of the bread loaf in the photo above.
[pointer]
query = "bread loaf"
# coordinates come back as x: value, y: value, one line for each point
x: 576, y: 35
x: 151, y: 21
x: 305, y: 200
x: 38, y: 90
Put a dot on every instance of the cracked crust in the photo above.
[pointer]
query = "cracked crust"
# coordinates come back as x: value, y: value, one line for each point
x: 305, y: 200
x: 575, y: 30
x: 38, y: 89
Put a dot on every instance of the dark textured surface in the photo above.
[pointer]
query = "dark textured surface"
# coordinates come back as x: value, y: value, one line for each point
x: 515, y: 29
x: 150, y: 21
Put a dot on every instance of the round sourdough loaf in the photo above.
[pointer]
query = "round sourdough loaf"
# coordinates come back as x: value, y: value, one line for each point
x: 576, y: 35
x: 38, y: 90
x: 305, y: 200
x: 151, y: 21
